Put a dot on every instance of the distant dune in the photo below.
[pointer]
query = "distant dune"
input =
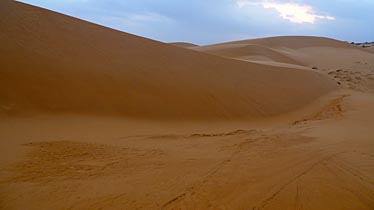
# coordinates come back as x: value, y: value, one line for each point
x: 55, y: 63
x: 183, y: 44
x: 368, y: 46
x: 249, y: 52
x: 347, y: 64
x: 298, y: 50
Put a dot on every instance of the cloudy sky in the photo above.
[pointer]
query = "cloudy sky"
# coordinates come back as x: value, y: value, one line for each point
x: 212, y: 21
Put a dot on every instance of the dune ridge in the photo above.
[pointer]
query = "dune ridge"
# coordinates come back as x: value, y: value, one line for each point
x: 183, y: 44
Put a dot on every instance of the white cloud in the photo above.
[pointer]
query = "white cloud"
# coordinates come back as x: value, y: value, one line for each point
x: 293, y: 12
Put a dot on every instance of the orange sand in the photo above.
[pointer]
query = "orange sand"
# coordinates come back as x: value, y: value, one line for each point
x: 93, y: 118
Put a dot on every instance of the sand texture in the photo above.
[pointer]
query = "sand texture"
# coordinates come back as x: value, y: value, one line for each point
x: 93, y: 118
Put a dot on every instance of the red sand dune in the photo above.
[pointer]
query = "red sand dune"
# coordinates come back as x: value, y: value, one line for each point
x: 57, y: 63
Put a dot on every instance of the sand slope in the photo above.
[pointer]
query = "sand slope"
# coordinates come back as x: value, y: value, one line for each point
x: 56, y: 63
x: 323, y: 160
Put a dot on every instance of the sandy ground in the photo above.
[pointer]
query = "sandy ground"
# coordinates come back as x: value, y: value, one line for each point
x: 306, y: 141
x: 324, y: 160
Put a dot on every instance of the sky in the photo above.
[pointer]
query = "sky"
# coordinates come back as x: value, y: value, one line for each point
x: 213, y: 21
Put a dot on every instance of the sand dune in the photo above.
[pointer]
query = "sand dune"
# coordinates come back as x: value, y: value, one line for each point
x: 298, y: 50
x: 93, y: 118
x: 247, y: 52
x: 367, y: 46
x: 57, y: 63
x: 349, y: 65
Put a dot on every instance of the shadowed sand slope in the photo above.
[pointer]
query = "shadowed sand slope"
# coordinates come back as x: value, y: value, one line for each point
x: 57, y: 63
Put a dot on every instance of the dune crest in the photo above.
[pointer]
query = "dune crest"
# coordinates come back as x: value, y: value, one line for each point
x: 183, y: 44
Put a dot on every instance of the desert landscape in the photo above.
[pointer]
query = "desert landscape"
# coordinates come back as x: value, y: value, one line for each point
x: 95, y: 118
